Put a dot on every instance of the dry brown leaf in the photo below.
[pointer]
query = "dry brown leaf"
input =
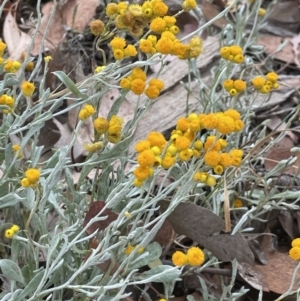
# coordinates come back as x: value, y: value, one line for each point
x: 200, y: 224
x: 210, y: 11
x: 296, y: 42
x: 278, y: 124
x: 286, y: 15
x: 55, y: 33
x: 275, y: 276
x: 281, y: 151
x: 16, y: 40
x: 272, y: 43
x: 77, y: 13
x: 74, y: 13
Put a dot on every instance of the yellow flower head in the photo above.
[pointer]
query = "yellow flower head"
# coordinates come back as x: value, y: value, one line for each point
x: 164, y: 45
x: 86, y: 112
x: 258, y: 82
x: 296, y: 242
x: 233, y: 92
x: 135, y: 10
x: 156, y: 139
x: 195, y: 256
x: 212, y: 158
x: 157, y: 83
x: 130, y: 50
x: 48, y: 58
x: 182, y: 124
x: 146, y: 158
x: 125, y: 83
x: 182, y: 143
x: 2, y: 48
x: 237, y: 203
x: 212, y: 143
x: 138, y: 73
x: 228, y: 84
x: 99, y: 69
x: 188, y: 5
x: 294, y: 253
x: 211, y: 181
x: 200, y: 176
x: 145, y: 46
x: 142, y: 173
x: 218, y: 169
x: 236, y: 153
x: 26, y: 183
x: 111, y: 9
x: 15, y: 228
x: 118, y: 54
x: 118, y: 43
x: 152, y: 92
x: 186, y: 154
x: 142, y: 145
x: 129, y: 249
x: 137, y: 86
x: 239, y: 85
x: 272, y: 76
x: 225, y: 160
x: 198, y: 145
x: 138, y: 183
x: 9, y: 233
x: 167, y: 161
x: 261, y: 12
x: 33, y: 175
x: 92, y: 147
x: 97, y: 27
x: 209, y: 121
x: 179, y: 259
x: 114, y: 137
x: 159, y: 9
x: 226, y: 125
x: 158, y: 25
x: 235, y: 115
x: 101, y: 125
x: 239, y: 125
x: 265, y: 89
x: 27, y: 88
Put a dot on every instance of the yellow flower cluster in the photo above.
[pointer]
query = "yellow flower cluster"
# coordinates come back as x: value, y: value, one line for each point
x: 294, y: 252
x: 184, y: 145
x: 232, y: 53
x: 86, y: 112
x: 193, y: 257
x: 148, y: 157
x: 8, y: 101
x: 9, y: 233
x: 130, y: 248
x: 134, y: 17
x: 136, y: 82
x: 111, y: 129
x: 27, y: 88
x: 93, y: 147
x: 188, y: 5
x: 234, y: 86
x: 12, y: 66
x: 120, y: 50
x: 16, y: 148
x: 32, y: 176
x: 266, y: 84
